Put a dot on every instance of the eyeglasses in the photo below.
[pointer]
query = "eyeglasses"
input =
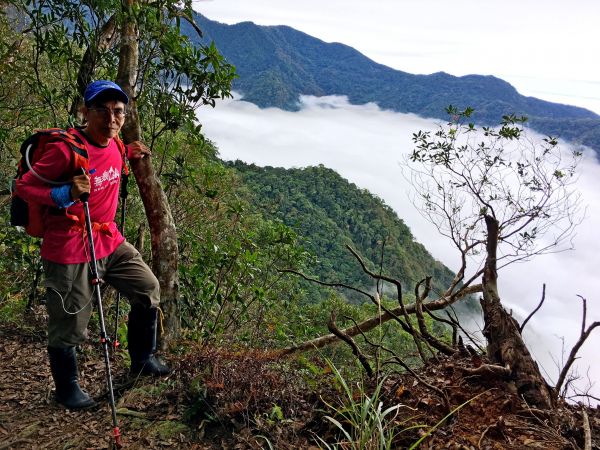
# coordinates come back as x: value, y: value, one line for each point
x: 119, y: 113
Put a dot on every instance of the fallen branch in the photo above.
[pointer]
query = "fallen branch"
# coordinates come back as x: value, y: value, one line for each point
x: 373, y: 322
x: 488, y: 428
x: 488, y: 369
x: 374, y: 298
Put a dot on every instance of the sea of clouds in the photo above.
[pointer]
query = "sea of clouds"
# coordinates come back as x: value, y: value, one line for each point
x: 367, y: 146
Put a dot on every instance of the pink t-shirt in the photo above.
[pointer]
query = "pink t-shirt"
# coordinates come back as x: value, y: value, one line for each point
x: 63, y: 242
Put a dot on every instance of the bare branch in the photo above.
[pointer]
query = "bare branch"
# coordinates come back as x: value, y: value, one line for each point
x: 325, y: 283
x: 584, y: 313
x: 406, y: 326
x: 586, y: 396
x: 535, y: 310
x: 371, y: 273
x: 465, y: 332
x: 447, y: 322
x: 348, y: 340
x: 406, y: 367
x: 429, y: 338
x: 572, y: 356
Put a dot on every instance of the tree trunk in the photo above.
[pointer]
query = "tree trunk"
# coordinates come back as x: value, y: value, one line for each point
x: 505, y: 343
x: 165, y: 253
x: 105, y: 39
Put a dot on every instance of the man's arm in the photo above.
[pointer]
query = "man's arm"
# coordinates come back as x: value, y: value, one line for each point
x: 137, y: 150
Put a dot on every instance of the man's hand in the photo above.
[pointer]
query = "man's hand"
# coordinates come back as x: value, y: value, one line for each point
x: 137, y: 150
x: 81, y: 184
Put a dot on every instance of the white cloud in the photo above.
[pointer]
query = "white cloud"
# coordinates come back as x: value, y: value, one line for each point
x: 365, y: 145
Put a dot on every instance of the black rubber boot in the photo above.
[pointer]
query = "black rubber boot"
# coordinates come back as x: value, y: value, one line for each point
x: 141, y: 340
x: 63, y: 365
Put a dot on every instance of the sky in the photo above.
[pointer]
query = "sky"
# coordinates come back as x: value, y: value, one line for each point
x: 548, y: 50
x: 545, y: 48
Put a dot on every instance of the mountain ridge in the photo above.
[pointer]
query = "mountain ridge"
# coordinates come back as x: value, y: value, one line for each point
x: 276, y: 64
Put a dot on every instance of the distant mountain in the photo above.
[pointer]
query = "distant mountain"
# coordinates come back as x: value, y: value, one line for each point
x: 328, y: 212
x: 276, y: 64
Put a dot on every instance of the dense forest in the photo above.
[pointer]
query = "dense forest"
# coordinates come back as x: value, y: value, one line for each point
x: 328, y: 213
x: 370, y: 354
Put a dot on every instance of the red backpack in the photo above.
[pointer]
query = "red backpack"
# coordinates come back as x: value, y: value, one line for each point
x: 31, y: 215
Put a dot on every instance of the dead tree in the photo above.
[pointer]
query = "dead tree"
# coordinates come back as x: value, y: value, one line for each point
x: 481, y: 191
x: 490, y: 188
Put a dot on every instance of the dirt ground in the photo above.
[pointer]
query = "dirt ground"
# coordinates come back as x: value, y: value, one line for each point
x: 218, y: 399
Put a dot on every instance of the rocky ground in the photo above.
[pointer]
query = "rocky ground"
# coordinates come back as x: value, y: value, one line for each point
x: 230, y: 399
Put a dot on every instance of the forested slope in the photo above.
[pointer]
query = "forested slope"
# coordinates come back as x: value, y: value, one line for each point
x: 328, y: 213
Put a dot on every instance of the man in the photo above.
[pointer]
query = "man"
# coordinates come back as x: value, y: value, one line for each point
x: 65, y: 252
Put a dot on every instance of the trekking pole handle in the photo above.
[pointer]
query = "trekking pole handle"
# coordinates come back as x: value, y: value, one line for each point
x: 124, y: 191
x: 85, y: 196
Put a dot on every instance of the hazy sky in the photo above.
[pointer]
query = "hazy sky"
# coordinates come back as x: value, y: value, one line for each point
x: 548, y: 49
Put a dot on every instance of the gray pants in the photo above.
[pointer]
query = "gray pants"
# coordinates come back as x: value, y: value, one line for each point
x: 70, y: 295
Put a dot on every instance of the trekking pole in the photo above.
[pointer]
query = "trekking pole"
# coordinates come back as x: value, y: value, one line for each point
x: 103, y: 338
x: 124, y: 194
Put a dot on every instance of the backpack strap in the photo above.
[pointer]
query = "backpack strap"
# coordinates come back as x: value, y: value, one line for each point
x: 45, y: 136
x: 123, y: 149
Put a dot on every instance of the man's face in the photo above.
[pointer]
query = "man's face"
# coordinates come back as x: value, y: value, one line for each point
x: 104, y: 121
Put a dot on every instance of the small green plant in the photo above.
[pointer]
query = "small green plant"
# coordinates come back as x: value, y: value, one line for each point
x: 362, y: 420
x: 276, y: 414
x: 364, y: 424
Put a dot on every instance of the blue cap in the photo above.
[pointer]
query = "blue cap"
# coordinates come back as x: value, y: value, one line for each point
x: 104, y: 86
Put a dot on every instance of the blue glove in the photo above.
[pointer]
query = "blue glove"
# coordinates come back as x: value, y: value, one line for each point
x: 62, y: 195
